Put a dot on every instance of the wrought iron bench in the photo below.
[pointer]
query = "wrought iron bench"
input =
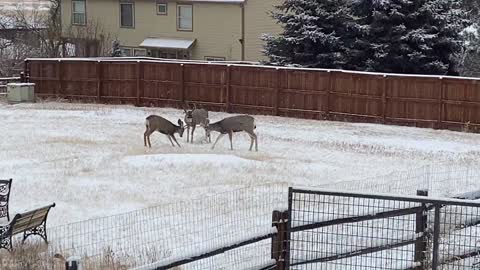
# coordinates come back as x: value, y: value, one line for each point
x: 5, y: 187
x: 33, y: 222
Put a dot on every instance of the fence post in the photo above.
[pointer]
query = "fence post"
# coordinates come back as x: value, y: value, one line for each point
x: 182, y: 84
x: 331, y: 83
x: 440, y: 105
x: 227, y: 89
x: 436, y: 237
x: 99, y: 81
x: 384, y: 104
x: 139, y: 82
x: 59, y: 77
x: 279, y: 242
x: 73, y: 263
x: 277, y: 90
x: 421, y: 227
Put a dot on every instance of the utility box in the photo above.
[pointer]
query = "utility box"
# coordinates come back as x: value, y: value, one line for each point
x: 20, y: 92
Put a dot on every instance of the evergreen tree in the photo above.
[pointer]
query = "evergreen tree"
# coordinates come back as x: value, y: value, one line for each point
x: 401, y: 36
x: 116, y: 51
x: 412, y: 36
x: 314, y: 33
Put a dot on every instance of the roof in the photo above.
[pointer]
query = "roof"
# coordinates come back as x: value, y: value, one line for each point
x: 168, y: 43
x: 217, y: 1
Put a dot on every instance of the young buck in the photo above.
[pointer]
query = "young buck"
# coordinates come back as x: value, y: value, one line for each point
x: 234, y: 124
x: 196, y: 117
x: 157, y: 123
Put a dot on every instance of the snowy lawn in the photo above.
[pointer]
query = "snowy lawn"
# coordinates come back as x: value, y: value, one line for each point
x: 91, y: 161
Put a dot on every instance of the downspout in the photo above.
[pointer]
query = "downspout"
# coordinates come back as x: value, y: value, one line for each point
x: 242, y: 40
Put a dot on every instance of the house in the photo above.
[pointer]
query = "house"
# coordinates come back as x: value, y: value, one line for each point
x: 182, y: 29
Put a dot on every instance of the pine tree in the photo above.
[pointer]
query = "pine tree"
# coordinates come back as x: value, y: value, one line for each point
x: 314, y: 33
x: 412, y: 36
x: 116, y: 51
x: 401, y: 36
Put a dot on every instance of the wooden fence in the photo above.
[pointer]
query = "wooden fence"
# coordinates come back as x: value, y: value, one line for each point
x: 423, y: 101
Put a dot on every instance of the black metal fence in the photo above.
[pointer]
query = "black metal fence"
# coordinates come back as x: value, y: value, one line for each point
x: 338, y: 230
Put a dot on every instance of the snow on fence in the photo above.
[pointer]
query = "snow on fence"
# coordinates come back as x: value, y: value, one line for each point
x: 339, y: 230
x: 206, y: 228
x: 169, y: 233
x: 441, y: 180
x: 418, y: 100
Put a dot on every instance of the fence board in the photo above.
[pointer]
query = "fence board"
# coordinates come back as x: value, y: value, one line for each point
x: 434, y: 102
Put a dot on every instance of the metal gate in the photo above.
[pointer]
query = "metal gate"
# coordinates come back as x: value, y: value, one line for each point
x: 340, y: 230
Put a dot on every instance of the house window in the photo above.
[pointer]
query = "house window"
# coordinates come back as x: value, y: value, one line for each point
x: 214, y: 58
x: 184, y: 17
x: 78, y: 12
x: 127, y: 15
x: 126, y: 51
x: 139, y: 52
x: 161, y: 8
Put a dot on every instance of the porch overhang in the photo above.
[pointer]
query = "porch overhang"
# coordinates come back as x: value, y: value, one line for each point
x: 168, y: 43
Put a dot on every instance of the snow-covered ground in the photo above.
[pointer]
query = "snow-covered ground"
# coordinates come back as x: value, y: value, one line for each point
x: 91, y: 161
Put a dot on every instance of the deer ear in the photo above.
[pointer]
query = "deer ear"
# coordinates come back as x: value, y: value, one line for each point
x: 180, y: 123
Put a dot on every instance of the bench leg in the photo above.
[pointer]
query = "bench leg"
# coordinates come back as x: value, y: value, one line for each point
x: 6, y: 242
x: 41, y: 231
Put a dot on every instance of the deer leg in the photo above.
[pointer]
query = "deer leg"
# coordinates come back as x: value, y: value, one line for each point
x: 188, y: 131
x: 208, y: 138
x: 146, y: 136
x: 173, y: 136
x: 230, y: 135
x: 170, y: 139
x: 191, y: 137
x: 253, y: 137
x: 218, y: 138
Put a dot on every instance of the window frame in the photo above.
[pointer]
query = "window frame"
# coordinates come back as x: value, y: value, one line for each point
x: 84, y: 13
x: 123, y: 49
x: 178, y: 17
x: 135, y: 50
x: 125, y: 2
x: 166, y: 8
x: 214, y: 58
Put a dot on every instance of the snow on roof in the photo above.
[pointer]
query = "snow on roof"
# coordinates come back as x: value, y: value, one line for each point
x: 167, y: 43
x: 38, y: 5
x: 218, y: 1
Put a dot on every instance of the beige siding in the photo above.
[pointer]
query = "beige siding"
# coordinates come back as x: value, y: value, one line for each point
x: 216, y: 27
x: 258, y: 22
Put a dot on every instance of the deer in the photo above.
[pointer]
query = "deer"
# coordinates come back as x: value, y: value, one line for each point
x: 234, y: 124
x: 157, y: 123
x: 196, y: 117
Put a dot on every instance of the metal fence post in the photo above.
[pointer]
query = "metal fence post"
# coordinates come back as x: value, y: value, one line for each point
x: 289, y: 226
x: 73, y: 263
x: 279, y: 220
x: 436, y: 237
x: 421, y: 227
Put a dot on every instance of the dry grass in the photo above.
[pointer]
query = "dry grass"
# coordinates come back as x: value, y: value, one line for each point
x: 35, y: 256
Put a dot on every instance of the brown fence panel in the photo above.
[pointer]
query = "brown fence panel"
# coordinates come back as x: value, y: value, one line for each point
x: 78, y: 80
x: 161, y: 84
x: 205, y: 85
x: 461, y: 104
x: 414, y: 101
x: 45, y: 76
x: 302, y: 93
x: 356, y: 97
x: 119, y: 82
x: 252, y: 89
x: 435, y: 102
